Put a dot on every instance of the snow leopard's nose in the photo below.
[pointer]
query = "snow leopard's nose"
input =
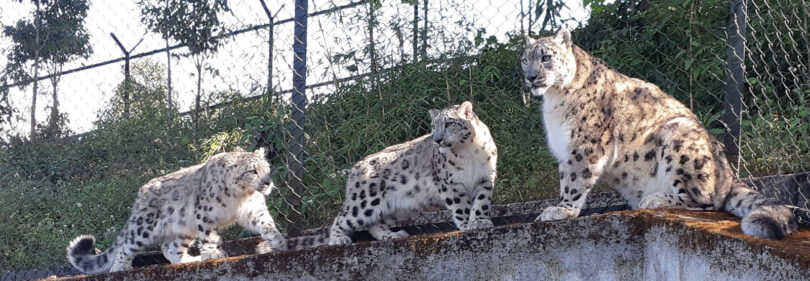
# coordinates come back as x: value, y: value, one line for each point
x: 531, y: 78
x: 267, y: 181
x: 437, y: 139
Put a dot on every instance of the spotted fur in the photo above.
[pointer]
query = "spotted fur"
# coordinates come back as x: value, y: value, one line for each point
x: 295, y: 243
x: 454, y: 167
x: 192, y: 203
x: 648, y: 146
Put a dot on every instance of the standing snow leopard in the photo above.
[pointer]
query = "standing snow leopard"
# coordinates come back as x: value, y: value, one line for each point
x: 648, y: 146
x: 192, y: 203
x: 454, y: 166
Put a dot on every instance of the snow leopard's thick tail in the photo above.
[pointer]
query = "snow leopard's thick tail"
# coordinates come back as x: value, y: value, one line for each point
x: 297, y: 243
x: 78, y: 253
x: 307, y: 241
x: 761, y: 216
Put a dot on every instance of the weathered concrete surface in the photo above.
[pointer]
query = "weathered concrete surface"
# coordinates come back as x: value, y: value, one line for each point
x: 626, y: 245
x: 682, y: 245
x: 422, y: 223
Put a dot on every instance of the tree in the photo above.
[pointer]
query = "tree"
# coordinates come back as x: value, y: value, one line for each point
x: 5, y: 108
x: 193, y: 23
x: 672, y: 43
x: 135, y: 128
x: 147, y: 87
x: 547, y: 12
x: 55, y: 36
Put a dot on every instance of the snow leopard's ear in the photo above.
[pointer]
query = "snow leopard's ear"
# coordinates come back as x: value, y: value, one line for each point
x: 229, y: 160
x: 238, y: 149
x: 563, y: 38
x: 433, y: 113
x: 261, y: 152
x: 466, y: 110
x: 529, y: 40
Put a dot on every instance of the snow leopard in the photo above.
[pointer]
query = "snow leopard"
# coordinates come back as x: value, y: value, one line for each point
x: 603, y: 125
x: 453, y: 167
x: 192, y: 203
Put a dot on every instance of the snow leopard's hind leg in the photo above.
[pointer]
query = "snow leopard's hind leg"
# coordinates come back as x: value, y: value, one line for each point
x: 382, y: 230
x: 176, y: 250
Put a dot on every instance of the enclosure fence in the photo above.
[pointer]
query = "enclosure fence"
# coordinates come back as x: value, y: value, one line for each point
x: 323, y: 84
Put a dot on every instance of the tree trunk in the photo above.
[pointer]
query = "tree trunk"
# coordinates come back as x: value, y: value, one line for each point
x: 401, y: 40
x: 169, y: 80
x: 198, y: 64
x: 522, y: 18
x: 34, y: 96
x: 372, y: 49
x: 415, y: 31
x: 53, y: 123
x: 425, y: 31
x: 270, y: 63
x: 548, y: 19
x: 169, y: 102
x: 36, y: 72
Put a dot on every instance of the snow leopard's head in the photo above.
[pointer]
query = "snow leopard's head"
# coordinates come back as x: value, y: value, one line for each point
x: 242, y: 170
x: 453, y: 125
x: 548, y: 62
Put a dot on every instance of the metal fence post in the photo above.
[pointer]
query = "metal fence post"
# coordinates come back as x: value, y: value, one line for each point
x: 127, y: 81
x: 735, y: 77
x: 126, y: 73
x: 299, y: 104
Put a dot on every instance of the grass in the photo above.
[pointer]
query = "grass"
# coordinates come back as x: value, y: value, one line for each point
x: 52, y: 191
x: 42, y: 218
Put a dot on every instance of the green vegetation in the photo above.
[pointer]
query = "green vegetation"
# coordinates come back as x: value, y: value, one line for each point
x: 680, y: 46
x: 55, y: 36
x: 51, y: 191
x: 56, y: 190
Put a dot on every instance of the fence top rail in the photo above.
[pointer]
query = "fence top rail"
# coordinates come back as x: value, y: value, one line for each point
x: 177, y: 46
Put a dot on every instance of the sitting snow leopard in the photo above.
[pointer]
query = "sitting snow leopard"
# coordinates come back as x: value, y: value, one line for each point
x: 454, y: 166
x: 648, y: 146
x: 192, y: 203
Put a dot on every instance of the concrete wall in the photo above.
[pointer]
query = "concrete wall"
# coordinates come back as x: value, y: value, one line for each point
x: 626, y: 245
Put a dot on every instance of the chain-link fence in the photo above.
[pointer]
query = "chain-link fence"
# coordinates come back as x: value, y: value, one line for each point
x: 325, y: 83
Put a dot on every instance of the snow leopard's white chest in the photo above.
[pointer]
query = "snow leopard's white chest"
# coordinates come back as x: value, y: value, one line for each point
x: 558, y: 129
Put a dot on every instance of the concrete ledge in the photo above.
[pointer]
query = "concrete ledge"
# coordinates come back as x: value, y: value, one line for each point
x: 625, y: 245
x: 421, y: 223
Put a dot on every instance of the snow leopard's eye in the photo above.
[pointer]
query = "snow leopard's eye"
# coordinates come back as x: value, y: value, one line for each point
x: 524, y: 61
x: 254, y: 171
x: 545, y: 58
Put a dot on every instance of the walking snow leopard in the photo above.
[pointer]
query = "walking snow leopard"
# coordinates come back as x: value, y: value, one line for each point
x: 648, y: 146
x: 454, y: 167
x: 192, y: 203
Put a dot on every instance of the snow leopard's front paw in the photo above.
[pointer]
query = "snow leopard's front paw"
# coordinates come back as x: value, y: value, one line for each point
x: 212, y: 254
x: 479, y: 223
x: 395, y: 235
x: 279, y: 243
x: 659, y: 200
x: 264, y: 247
x: 556, y: 213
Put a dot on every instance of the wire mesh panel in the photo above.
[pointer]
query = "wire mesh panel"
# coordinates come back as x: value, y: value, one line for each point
x: 323, y: 84
x: 774, y: 127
